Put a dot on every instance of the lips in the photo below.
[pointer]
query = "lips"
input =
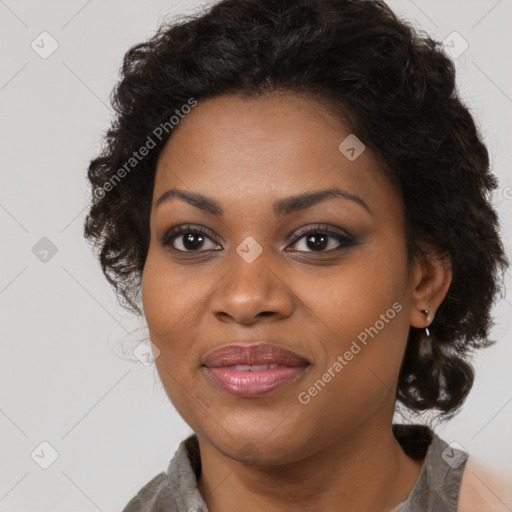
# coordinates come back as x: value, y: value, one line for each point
x: 250, y: 371
x: 253, y: 355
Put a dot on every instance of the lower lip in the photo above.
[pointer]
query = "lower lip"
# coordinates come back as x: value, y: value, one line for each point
x: 245, y: 383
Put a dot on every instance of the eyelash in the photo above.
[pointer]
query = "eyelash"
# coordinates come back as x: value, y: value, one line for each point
x: 346, y: 241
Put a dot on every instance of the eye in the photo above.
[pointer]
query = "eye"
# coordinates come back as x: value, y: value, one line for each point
x: 320, y: 239
x: 189, y: 239
x: 323, y: 239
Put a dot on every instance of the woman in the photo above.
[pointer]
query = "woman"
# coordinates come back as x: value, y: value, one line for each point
x: 301, y: 200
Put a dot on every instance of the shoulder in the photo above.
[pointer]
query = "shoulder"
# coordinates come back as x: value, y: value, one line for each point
x: 153, y: 497
x: 483, y: 489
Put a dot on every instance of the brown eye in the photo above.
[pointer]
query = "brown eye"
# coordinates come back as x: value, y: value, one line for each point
x: 323, y: 240
x: 188, y: 240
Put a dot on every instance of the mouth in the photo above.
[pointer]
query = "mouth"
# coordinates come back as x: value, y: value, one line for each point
x: 253, y: 370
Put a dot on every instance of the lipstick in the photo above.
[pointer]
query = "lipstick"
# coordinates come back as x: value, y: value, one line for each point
x: 252, y: 370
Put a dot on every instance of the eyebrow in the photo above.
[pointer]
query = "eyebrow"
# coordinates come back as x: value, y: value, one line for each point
x: 281, y: 207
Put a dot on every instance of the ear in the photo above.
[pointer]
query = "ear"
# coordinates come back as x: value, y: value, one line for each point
x: 430, y: 281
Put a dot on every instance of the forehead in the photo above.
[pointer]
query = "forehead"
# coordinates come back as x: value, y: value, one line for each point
x: 259, y: 149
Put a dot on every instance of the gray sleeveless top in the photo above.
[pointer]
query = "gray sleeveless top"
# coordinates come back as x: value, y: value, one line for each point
x: 436, y: 489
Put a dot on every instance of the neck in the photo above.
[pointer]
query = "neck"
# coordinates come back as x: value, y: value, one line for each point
x: 364, y: 470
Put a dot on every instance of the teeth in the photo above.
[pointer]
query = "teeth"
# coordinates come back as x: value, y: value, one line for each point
x: 254, y: 367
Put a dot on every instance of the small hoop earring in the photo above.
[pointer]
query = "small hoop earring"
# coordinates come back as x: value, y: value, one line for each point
x: 425, y: 312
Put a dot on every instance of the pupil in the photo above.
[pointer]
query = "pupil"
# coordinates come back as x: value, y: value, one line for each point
x: 189, y: 243
x: 321, y: 244
x: 315, y: 241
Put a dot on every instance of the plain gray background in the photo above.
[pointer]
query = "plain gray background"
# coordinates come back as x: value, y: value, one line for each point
x: 66, y: 377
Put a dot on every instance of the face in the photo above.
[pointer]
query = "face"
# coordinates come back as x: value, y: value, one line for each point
x: 330, y: 281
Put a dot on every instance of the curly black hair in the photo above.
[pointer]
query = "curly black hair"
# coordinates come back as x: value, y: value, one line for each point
x: 396, y: 87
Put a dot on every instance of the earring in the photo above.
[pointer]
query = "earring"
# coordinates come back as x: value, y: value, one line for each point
x: 425, y: 312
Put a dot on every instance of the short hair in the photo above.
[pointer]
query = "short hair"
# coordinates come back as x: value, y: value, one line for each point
x: 393, y: 84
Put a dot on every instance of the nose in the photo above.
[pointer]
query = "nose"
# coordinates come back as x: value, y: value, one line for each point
x: 252, y: 292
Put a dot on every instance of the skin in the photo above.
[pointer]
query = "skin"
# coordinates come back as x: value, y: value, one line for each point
x: 336, y: 452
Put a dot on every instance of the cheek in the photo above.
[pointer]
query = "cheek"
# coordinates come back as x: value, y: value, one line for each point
x: 164, y: 307
x: 351, y: 297
x: 173, y: 300
x: 170, y: 295
x: 361, y: 317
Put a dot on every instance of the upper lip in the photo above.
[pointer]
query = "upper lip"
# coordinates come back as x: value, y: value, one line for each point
x: 252, y: 354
